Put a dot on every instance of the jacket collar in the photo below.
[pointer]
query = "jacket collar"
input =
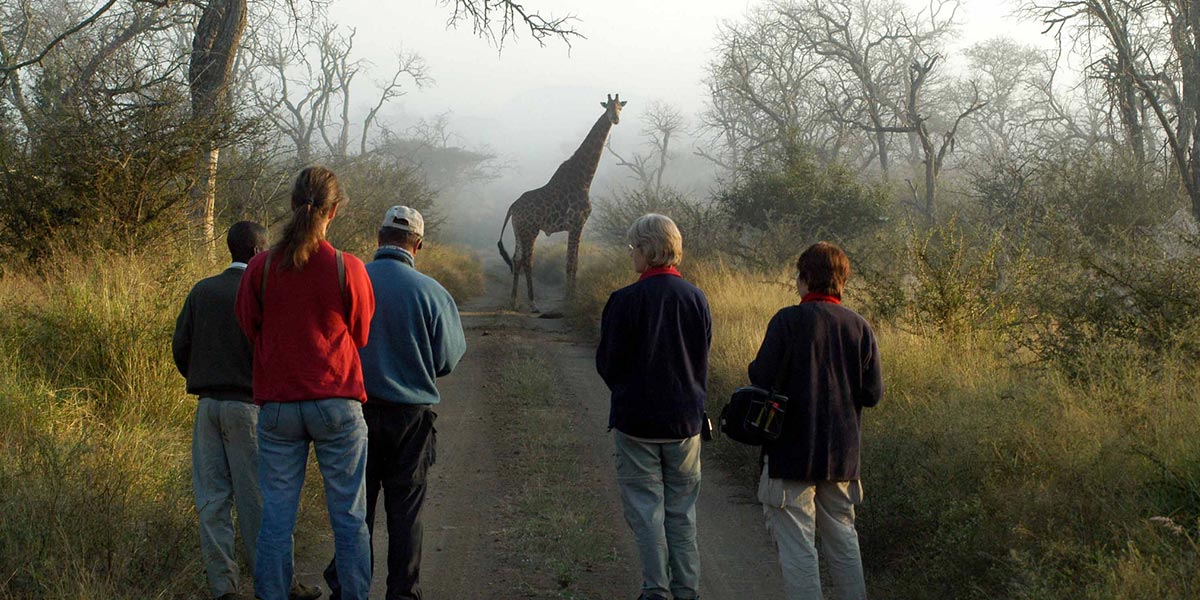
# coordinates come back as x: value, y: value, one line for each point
x: 396, y: 253
x: 816, y: 297
x: 652, y: 271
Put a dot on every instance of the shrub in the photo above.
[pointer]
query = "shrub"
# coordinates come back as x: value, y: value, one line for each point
x: 705, y: 230
x: 785, y: 202
x: 458, y: 270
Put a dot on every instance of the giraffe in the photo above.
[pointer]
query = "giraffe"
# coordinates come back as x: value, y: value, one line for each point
x: 560, y: 205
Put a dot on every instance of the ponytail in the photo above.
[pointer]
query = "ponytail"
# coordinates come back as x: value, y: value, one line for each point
x: 314, y: 196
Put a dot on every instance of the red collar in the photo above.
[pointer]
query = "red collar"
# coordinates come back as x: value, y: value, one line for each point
x: 652, y: 271
x: 818, y: 297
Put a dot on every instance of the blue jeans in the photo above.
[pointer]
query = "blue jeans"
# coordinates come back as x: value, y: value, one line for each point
x: 338, y: 432
x: 659, y: 485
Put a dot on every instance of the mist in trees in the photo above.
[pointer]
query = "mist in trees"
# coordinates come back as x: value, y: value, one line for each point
x: 129, y: 123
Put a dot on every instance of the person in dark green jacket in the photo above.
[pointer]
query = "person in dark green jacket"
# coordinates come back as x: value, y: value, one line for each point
x: 215, y: 357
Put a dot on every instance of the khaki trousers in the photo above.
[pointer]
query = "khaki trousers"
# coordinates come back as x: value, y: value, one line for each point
x: 795, y: 512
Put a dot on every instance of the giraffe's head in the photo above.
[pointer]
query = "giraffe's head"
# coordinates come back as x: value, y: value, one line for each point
x: 614, y: 106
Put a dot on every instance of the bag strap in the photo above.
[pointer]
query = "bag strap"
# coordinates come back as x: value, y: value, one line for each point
x: 341, y: 271
x: 262, y: 297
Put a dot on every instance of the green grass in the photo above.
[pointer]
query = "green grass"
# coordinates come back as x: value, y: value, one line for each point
x: 553, y: 523
x: 95, y: 429
x: 984, y: 478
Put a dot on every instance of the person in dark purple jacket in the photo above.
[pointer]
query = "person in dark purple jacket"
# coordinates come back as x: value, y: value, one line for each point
x: 653, y: 354
x: 829, y: 362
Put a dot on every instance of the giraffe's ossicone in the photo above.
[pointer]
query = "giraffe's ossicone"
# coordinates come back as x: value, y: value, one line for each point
x: 560, y: 205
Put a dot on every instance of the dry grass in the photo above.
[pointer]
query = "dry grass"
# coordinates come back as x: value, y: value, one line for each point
x: 985, y: 479
x: 95, y: 428
x: 458, y: 269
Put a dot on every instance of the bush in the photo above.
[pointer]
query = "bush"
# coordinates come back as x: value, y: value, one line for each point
x: 1139, y: 300
x: 705, y: 230
x: 375, y: 184
x: 114, y: 179
x: 785, y: 202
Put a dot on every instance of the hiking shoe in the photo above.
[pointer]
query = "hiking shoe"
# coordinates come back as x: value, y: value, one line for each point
x: 232, y: 596
x: 300, y: 591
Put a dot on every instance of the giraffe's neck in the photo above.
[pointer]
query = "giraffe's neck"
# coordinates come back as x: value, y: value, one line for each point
x: 581, y: 167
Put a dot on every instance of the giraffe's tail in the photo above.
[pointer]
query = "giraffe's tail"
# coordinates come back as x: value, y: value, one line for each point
x: 500, y: 243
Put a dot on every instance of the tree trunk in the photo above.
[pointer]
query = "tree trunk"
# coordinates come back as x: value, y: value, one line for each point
x: 203, y: 194
x: 214, y: 49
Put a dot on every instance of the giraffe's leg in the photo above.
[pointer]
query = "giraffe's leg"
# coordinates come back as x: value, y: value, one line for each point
x: 516, y: 273
x: 529, y: 275
x: 572, y: 260
x: 524, y: 264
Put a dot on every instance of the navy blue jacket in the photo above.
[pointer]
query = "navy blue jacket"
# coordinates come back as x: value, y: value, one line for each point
x: 832, y: 374
x: 653, y: 354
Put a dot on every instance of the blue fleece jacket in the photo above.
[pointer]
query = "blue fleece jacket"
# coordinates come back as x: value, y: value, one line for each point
x: 416, y: 335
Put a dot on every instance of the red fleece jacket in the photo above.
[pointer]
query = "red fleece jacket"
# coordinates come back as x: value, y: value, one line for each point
x: 305, y: 335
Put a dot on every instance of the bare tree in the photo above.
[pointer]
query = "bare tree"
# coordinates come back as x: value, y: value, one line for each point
x: 497, y: 20
x: 215, y: 45
x: 305, y: 88
x: 1147, y: 53
x: 1025, y: 115
x: 869, y: 43
x: 660, y: 123
x: 933, y: 152
x: 764, y: 92
x: 828, y: 75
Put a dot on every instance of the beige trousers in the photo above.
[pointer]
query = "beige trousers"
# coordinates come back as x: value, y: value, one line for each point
x: 795, y: 512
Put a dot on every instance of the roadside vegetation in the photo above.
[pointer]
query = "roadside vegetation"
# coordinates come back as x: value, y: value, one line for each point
x: 95, y: 427
x: 990, y: 473
x: 551, y: 521
x: 1026, y: 241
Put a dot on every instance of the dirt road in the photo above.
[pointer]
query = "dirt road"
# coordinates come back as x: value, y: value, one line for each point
x: 501, y: 525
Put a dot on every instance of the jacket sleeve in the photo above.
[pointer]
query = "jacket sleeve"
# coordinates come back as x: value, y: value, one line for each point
x: 248, y: 306
x: 871, y: 391
x: 181, y: 342
x: 764, y: 369
x: 360, y: 299
x: 612, y: 355
x: 449, y: 342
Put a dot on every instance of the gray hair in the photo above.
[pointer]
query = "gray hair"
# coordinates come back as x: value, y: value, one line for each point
x: 658, y: 238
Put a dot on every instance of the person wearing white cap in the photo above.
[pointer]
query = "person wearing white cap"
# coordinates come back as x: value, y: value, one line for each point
x: 416, y: 336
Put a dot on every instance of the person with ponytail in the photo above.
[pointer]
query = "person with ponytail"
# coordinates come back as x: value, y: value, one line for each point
x: 306, y: 309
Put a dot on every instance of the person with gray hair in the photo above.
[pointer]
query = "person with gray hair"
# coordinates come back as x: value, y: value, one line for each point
x: 653, y: 355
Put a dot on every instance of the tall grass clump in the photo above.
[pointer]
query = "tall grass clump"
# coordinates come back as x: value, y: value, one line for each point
x: 95, y: 425
x: 458, y: 269
x: 95, y: 430
x: 989, y: 474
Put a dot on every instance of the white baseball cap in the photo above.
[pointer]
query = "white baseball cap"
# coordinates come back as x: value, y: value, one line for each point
x: 404, y: 219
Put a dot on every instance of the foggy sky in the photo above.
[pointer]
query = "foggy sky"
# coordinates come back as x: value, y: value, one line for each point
x: 532, y: 105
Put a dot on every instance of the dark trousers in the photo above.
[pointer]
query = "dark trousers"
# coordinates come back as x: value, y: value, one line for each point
x: 401, y: 442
